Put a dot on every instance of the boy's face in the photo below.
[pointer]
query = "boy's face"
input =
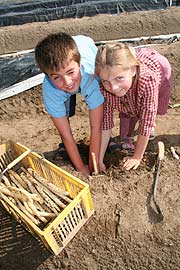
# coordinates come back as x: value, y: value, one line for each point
x: 115, y: 81
x: 67, y: 78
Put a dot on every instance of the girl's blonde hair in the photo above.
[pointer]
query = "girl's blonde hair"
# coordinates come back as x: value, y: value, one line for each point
x: 116, y: 54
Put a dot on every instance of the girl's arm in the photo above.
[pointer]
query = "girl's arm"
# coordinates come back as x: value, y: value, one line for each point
x: 63, y: 126
x: 134, y: 161
x: 96, y: 118
x: 106, y: 134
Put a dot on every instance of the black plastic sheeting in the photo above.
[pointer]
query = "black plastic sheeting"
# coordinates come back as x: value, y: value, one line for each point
x: 17, y: 69
x: 21, y: 12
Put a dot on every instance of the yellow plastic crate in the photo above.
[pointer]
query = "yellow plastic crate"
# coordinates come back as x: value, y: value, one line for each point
x: 63, y: 228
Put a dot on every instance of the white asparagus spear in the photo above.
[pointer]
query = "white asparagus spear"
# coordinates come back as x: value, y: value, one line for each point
x: 51, y: 186
x: 46, y: 189
x: 6, y: 181
x: 18, y: 178
x: 24, y: 193
x: 175, y: 155
x: 36, y: 212
x: 46, y: 214
x: 28, y: 207
x: 24, y: 210
x: 14, y: 181
x: 6, y: 191
x: 29, y: 180
x: 32, y: 188
x: 48, y: 201
x: 54, y: 198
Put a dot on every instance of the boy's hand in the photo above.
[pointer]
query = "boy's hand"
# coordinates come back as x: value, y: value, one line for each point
x: 84, y: 170
x: 102, y: 167
x: 131, y: 163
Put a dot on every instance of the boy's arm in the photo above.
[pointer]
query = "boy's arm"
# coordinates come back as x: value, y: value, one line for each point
x: 96, y: 118
x: 64, y: 129
x: 134, y: 161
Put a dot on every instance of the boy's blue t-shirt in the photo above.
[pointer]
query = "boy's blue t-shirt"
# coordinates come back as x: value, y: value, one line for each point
x: 55, y: 99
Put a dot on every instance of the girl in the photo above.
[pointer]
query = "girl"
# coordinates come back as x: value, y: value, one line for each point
x: 138, y: 84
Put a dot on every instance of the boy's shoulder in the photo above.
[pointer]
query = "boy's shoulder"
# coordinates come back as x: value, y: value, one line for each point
x: 83, y: 38
x: 85, y: 45
x: 88, y: 51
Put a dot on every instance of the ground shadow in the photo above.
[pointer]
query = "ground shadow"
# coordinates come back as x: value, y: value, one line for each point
x: 168, y: 140
x: 18, y: 248
x: 153, y: 209
x: 114, y: 157
x: 154, y: 216
x: 111, y: 158
x: 61, y: 158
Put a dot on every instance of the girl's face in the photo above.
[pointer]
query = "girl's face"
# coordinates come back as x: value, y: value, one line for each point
x: 117, y: 82
x: 67, y: 78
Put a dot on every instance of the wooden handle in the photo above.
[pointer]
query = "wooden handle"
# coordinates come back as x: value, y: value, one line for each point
x: 160, y: 150
x: 18, y: 159
x: 94, y: 163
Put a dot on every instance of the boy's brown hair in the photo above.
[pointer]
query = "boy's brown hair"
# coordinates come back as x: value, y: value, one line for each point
x: 56, y: 50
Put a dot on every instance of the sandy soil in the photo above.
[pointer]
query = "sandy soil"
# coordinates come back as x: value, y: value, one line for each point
x: 100, y: 27
x: 125, y: 232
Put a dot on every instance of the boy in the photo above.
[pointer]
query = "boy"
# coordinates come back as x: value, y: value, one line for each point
x: 68, y: 63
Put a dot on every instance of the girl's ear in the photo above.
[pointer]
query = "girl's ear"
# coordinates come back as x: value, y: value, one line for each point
x: 134, y: 71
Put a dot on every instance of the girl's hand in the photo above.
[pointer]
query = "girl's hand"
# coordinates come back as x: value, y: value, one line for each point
x: 131, y: 163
